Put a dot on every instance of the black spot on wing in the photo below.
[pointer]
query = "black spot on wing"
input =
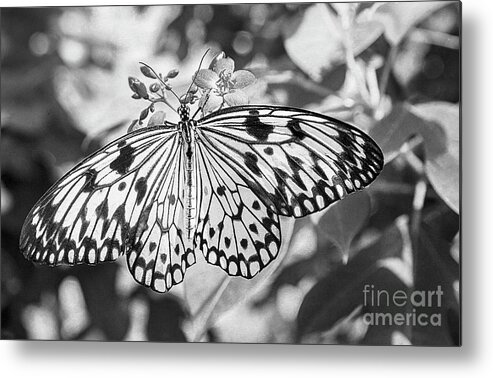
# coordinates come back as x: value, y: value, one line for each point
x: 244, y: 243
x: 102, y: 209
x: 172, y: 199
x: 254, y: 127
x: 221, y: 190
x: 256, y: 205
x: 163, y: 256
x: 141, y: 189
x: 253, y: 228
x: 251, y: 162
x: 315, y: 158
x: 90, y: 184
x: 124, y: 160
x: 294, y: 126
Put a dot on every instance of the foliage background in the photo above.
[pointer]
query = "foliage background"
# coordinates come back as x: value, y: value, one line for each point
x: 392, y: 69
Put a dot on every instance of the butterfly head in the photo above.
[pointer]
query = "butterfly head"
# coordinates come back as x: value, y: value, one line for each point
x: 184, y: 112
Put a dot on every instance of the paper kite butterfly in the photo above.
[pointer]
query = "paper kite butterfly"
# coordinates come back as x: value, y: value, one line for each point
x: 217, y: 185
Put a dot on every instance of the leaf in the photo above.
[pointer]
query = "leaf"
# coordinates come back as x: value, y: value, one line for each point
x: 435, y: 269
x: 399, y: 18
x: 210, y: 292
x: 339, y: 293
x: 442, y: 151
x: 165, y: 319
x: 343, y: 220
x: 107, y: 309
x: 455, y: 249
x: 315, y: 40
x: 438, y: 124
x: 97, y: 97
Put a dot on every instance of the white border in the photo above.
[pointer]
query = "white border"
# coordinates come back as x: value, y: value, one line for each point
x: 475, y: 358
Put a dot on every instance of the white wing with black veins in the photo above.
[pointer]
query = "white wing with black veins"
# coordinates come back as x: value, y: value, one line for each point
x: 257, y: 162
x: 123, y: 199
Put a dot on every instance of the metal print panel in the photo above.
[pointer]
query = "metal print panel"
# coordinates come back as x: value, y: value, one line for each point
x: 249, y: 173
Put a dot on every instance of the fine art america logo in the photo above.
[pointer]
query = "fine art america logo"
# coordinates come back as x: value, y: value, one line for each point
x: 416, y: 308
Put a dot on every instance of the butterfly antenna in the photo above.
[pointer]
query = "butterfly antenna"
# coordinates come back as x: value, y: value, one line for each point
x: 195, y: 75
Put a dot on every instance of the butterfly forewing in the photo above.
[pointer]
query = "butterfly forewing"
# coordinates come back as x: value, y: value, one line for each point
x: 297, y: 162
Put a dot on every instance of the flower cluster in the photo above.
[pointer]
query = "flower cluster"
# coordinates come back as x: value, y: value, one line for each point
x: 213, y: 88
x: 156, y: 92
x: 221, y: 85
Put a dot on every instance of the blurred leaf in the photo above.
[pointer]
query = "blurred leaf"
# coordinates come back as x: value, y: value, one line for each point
x: 398, y: 18
x: 394, y: 130
x: 315, y: 40
x: 438, y: 124
x: 455, y: 249
x: 98, y: 97
x: 434, y: 267
x: 210, y: 292
x: 343, y: 220
x: 341, y: 291
x: 107, y: 310
x: 442, y: 151
x: 165, y: 318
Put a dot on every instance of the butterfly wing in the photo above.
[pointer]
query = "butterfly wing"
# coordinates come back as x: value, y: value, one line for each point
x: 298, y: 162
x: 116, y: 201
x: 281, y: 161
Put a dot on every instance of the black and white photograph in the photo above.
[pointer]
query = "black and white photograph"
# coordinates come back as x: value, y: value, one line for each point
x: 278, y: 173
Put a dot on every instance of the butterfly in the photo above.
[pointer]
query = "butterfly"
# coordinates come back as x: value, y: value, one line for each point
x: 215, y: 186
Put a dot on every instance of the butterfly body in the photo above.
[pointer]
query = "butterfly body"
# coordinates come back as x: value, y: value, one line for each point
x: 187, y: 128
x: 215, y: 186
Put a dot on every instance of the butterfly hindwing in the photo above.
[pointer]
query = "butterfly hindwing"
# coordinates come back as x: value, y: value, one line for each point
x: 159, y: 253
x: 235, y: 231
x: 299, y: 162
